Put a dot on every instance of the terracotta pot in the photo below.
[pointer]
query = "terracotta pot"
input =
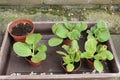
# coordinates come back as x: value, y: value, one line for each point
x: 75, y: 70
x: 67, y: 42
x: 90, y: 64
x: 14, y: 23
x: 32, y: 63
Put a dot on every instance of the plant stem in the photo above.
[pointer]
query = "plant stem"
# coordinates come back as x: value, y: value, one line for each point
x: 33, y: 50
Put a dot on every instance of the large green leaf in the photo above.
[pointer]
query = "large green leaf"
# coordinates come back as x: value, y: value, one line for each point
x: 39, y: 57
x: 102, y: 35
x: 67, y: 24
x: 101, y: 32
x: 22, y: 49
x: 101, y: 24
x: 109, y: 55
x: 81, y: 26
x: 65, y: 47
x: 59, y: 30
x: 90, y: 45
x: 87, y: 55
x: 70, y: 67
x: 66, y: 59
x: 55, y: 41
x: 74, y: 45
x: 33, y: 38
x: 98, y: 66
x: 42, y: 47
x: 74, y: 35
x: 101, y: 56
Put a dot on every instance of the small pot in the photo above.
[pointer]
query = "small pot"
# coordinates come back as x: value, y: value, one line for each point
x: 14, y: 23
x: 32, y: 63
x: 90, y: 64
x: 67, y: 41
x: 75, y: 70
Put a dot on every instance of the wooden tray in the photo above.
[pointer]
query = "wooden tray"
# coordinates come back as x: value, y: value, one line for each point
x: 50, y: 68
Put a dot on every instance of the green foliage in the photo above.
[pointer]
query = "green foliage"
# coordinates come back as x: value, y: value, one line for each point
x: 74, y: 35
x: 103, y: 53
x: 100, y: 31
x: 93, y: 50
x: 98, y: 53
x: 70, y: 67
x: 68, y: 30
x: 33, y: 38
x: 90, y: 45
x: 54, y: 41
x: 98, y: 66
x: 22, y: 49
x: 71, y: 55
x: 41, y: 55
x: 59, y: 30
x: 30, y: 49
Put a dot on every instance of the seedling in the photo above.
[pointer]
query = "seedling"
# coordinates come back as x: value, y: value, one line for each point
x: 100, y: 32
x: 29, y: 48
x: 96, y: 51
x: 71, y: 56
x: 68, y: 30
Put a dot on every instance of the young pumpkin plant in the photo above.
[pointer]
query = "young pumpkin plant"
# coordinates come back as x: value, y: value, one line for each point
x: 102, y: 55
x: 29, y: 48
x: 68, y: 30
x: 100, y: 31
x: 96, y: 52
x: 71, y: 56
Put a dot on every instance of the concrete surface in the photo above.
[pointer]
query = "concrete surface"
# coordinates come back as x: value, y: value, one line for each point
x: 58, y: 2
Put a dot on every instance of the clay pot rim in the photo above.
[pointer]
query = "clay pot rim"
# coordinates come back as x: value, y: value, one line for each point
x: 33, y: 63
x: 9, y: 26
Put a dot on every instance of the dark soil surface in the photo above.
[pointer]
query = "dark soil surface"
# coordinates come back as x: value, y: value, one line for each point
x: 21, y: 29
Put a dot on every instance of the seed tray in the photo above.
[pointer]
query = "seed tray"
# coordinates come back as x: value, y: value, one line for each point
x: 14, y: 67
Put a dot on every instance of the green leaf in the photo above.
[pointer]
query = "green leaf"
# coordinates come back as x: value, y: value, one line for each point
x: 70, y: 67
x: 101, y: 32
x: 59, y: 30
x: 90, y: 34
x: 74, y: 45
x: 55, y: 41
x: 39, y: 57
x: 98, y: 66
x: 33, y: 38
x: 109, y: 55
x: 101, y: 56
x: 65, y: 47
x: 67, y: 24
x: 99, y: 48
x: 62, y: 53
x: 92, y: 29
x: 80, y: 26
x: 101, y: 24
x: 66, y: 59
x: 90, y: 45
x: 74, y: 35
x: 42, y: 47
x: 102, y: 35
x: 22, y: 49
x: 87, y: 55
x: 77, y: 57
